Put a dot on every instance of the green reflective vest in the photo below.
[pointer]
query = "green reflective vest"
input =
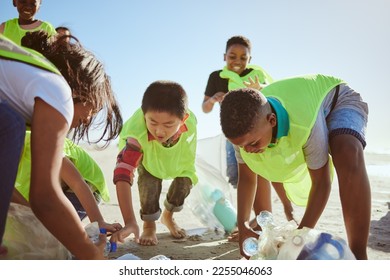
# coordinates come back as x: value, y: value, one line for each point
x: 236, y: 82
x: 285, y: 162
x: 9, y: 50
x: 164, y: 162
x: 87, y: 167
x: 13, y: 31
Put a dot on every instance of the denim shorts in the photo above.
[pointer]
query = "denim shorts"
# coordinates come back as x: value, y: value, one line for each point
x: 349, y: 116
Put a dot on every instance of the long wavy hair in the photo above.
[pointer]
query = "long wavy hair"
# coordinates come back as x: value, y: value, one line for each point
x: 88, y: 80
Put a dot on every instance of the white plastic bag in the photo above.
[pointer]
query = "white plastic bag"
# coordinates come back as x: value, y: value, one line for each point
x: 27, y: 239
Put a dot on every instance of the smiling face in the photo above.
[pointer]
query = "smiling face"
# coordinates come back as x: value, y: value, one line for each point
x: 162, y: 125
x: 27, y: 10
x: 237, y: 58
x: 259, y: 137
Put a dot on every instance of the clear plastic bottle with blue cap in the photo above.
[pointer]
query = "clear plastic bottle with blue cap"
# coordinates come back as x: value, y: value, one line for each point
x: 93, y: 232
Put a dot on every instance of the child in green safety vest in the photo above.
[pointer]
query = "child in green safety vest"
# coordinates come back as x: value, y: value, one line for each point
x: 56, y: 90
x: 159, y: 141
x: 238, y: 73
x: 82, y: 180
x: 16, y: 28
x: 293, y: 132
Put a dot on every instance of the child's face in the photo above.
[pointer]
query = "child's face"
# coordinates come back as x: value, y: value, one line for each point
x: 162, y: 125
x: 258, y: 139
x: 83, y: 113
x: 27, y: 9
x: 237, y: 58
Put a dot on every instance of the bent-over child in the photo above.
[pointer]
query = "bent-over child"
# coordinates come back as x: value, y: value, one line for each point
x: 159, y: 141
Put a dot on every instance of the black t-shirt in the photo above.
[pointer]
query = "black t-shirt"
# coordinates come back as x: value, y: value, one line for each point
x: 216, y: 83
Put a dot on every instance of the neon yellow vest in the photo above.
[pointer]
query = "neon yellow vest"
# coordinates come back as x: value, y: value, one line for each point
x: 87, y: 167
x: 237, y: 82
x: 9, y: 50
x: 164, y: 162
x: 13, y: 31
x: 285, y: 162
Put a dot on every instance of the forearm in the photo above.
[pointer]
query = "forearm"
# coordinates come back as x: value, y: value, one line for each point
x: 124, y: 196
x: 208, y: 104
x: 318, y: 197
x: 69, y: 231
x: 87, y: 200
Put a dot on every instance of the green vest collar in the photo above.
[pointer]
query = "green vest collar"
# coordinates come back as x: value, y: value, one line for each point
x: 283, y: 122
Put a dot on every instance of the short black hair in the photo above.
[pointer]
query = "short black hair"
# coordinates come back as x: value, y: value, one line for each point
x: 239, y: 110
x: 240, y: 40
x: 165, y: 96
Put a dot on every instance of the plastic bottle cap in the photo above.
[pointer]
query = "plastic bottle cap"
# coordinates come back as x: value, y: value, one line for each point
x: 297, y: 240
x: 103, y: 230
x: 216, y: 195
x: 113, y: 247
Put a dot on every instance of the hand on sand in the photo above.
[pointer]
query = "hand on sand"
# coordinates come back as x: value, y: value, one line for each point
x: 120, y: 235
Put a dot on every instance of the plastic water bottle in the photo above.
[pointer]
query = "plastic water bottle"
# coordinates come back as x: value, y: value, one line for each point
x: 265, y: 220
x: 160, y: 258
x: 250, y: 246
x: 93, y: 232
x: 110, y: 246
x: 326, y: 247
x: 224, y: 211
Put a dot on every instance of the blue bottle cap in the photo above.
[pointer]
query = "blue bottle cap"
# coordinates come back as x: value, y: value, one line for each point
x: 103, y: 230
x: 113, y: 246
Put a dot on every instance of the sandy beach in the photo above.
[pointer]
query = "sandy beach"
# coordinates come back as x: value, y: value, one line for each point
x: 204, y: 240
x: 205, y: 243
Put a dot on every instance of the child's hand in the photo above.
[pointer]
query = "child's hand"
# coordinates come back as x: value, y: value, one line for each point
x: 110, y: 227
x: 218, y: 97
x: 255, y: 84
x: 128, y: 229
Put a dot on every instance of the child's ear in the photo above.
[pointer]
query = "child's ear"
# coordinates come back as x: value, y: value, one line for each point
x: 224, y: 57
x: 249, y: 60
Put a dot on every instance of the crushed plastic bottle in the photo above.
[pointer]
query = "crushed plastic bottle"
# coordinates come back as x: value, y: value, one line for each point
x: 250, y: 246
x: 326, y: 247
x: 160, y: 258
x: 93, y: 232
x: 265, y: 220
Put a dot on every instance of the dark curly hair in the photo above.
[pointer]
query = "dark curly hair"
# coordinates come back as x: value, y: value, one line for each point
x: 239, y: 111
x: 240, y: 40
x: 165, y: 96
x: 86, y: 77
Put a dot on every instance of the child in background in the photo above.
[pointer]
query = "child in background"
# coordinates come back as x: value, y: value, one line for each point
x: 35, y: 93
x: 82, y: 181
x: 238, y: 73
x: 286, y: 133
x: 160, y: 140
x: 16, y: 28
x: 63, y: 31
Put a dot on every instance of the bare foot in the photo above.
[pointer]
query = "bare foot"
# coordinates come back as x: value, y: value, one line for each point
x: 176, y: 231
x: 148, y: 236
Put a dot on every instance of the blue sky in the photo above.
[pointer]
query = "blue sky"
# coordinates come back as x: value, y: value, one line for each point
x: 143, y: 41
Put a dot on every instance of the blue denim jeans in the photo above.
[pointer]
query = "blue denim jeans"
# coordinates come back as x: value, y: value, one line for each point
x: 12, y: 132
x: 231, y: 164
